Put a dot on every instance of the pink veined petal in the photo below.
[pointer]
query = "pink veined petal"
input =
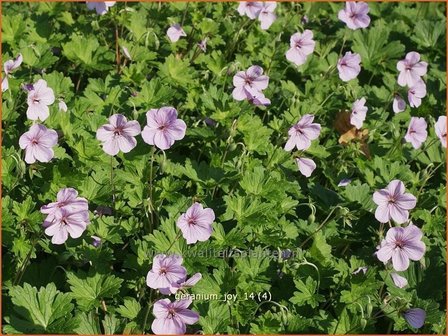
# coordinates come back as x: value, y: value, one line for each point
x: 362, y: 21
x: 412, y: 232
x: 295, y: 56
x: 60, y: 237
x: 151, y: 119
x: 193, y: 280
x: 399, y: 281
x: 117, y: 120
x: 306, y: 166
x: 52, y: 229
x: 254, y: 71
x: 5, y: 83
x: 239, y: 79
x: 40, y: 85
x: 111, y: 146
x: 76, y: 229
x: 400, y: 260
x: 312, y: 131
x: 395, y: 188
x: 67, y: 194
x: 46, y: 96
x: 407, y: 201
x: 177, y: 129
x: 382, y: 213
x: 29, y: 155
x: 105, y: 133
x: 306, y: 120
x: 160, y: 308
x: 132, y: 128
x: 415, y: 249
x: 393, y: 233
x: 155, y: 280
x: 49, y: 138
x: 260, y: 83
x: 398, y: 215
x: 37, y: 111
x: 168, y: 326
x: 43, y: 154
x: 126, y: 143
x: 148, y: 135
x: 187, y: 316
x: 303, y: 142
x: 290, y: 144
x: 162, y: 140
x: 206, y: 216
x: 399, y: 105
x: 385, y: 252
x: 420, y: 69
x: 267, y: 19
x: 239, y: 93
x: 412, y: 57
x: 182, y: 304
x: 24, y: 140
x: 415, y: 317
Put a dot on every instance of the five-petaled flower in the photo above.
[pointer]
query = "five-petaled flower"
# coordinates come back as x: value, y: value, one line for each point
x: 67, y: 198
x: 416, y: 133
x: 181, y: 284
x: 38, y: 143
x: 101, y: 7
x: 172, y: 317
x: 118, y: 135
x: 266, y: 15
x: 393, y: 203
x: 64, y: 223
x: 175, y: 32
x: 249, y: 83
x: 359, y: 112
x: 416, y: 93
x: 354, y: 15
x: 401, y: 245
x: 163, y: 127
x: 302, y: 45
x: 250, y: 8
x: 349, y: 66
x: 411, y: 69
x: 166, y: 271
x: 196, y: 223
x: 302, y: 133
x: 39, y: 98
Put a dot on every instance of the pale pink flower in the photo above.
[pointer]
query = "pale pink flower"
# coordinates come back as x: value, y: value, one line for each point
x: 96, y: 241
x: 175, y: 32
x: 393, y: 203
x: 172, y: 317
x: 401, y: 245
x: 302, y: 45
x: 39, y: 98
x: 13, y: 64
x: 440, y: 128
x: 38, y: 143
x: 166, y: 271
x: 252, y: 80
x: 349, y: 66
x: 256, y: 97
x: 306, y: 166
x: 398, y: 105
x: 355, y: 15
x: 416, y: 133
x: 250, y: 8
x: 399, y: 281
x: 118, y: 135
x: 163, y: 127
x: 65, y: 223
x: 100, y: 7
x: 196, y: 223
x: 181, y: 284
x: 203, y: 44
x: 302, y: 133
x: 67, y: 198
x: 359, y: 113
x: 411, y: 69
x: 416, y: 93
x: 266, y: 15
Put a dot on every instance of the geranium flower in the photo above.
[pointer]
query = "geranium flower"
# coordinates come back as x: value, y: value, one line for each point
x: 172, y: 317
x: 415, y: 317
x: 100, y: 7
x: 416, y: 133
x: 175, y: 32
x: 440, y: 128
x: 302, y: 133
x: 251, y: 80
x: 416, y: 93
x: 250, y: 8
x: 38, y: 143
x: 359, y: 112
x: 302, y: 45
x: 344, y: 182
x: 398, y: 105
x: 256, y: 97
x: 96, y: 241
x: 182, y: 284
x: 118, y: 135
x: 39, y: 98
x: 196, y: 223
x: 354, y: 15
x: 166, y: 271
x: 393, y: 203
x: 67, y: 198
x: 62, y: 106
x: 401, y: 245
x: 203, y: 44
x: 399, y: 281
x: 411, y: 69
x: 65, y: 223
x: 348, y: 66
x: 306, y: 166
x: 163, y: 127
x: 13, y: 64
x: 266, y: 15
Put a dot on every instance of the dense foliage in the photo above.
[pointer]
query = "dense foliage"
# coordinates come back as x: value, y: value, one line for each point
x: 289, y: 253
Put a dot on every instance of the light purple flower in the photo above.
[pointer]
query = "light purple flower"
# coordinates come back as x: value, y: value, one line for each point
x: 172, y: 317
x: 416, y: 133
x: 349, y: 66
x: 354, y: 15
x: 175, y: 32
x: 416, y: 93
x: 203, y: 44
x: 100, y: 7
x: 96, y: 241
x: 399, y: 281
x: 302, y: 45
x: 344, y: 182
x: 266, y: 15
x: 256, y: 97
x: 118, y: 135
x: 398, y: 105
x: 163, y: 127
x: 196, y: 223
x: 38, y: 100
x: 306, y: 166
x: 166, y: 271
x: 393, y: 203
x: 415, y: 317
x: 359, y: 112
x: 411, y: 69
x: 67, y: 199
x: 401, y: 245
x: 38, y: 143
x: 65, y: 223
x: 250, y: 8
x: 252, y: 80
x: 62, y: 106
x: 302, y: 133
x: 440, y: 128
x: 182, y: 284
x: 13, y: 64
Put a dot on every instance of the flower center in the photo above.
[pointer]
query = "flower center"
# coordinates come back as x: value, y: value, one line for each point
x: 191, y: 221
x: 162, y: 127
x: 36, y: 100
x: 34, y: 142
x: 118, y: 131
x: 162, y: 271
x: 171, y: 313
x: 399, y: 243
x: 392, y: 200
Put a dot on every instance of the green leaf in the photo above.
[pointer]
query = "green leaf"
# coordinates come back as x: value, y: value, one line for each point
x: 307, y: 293
x: 130, y: 309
